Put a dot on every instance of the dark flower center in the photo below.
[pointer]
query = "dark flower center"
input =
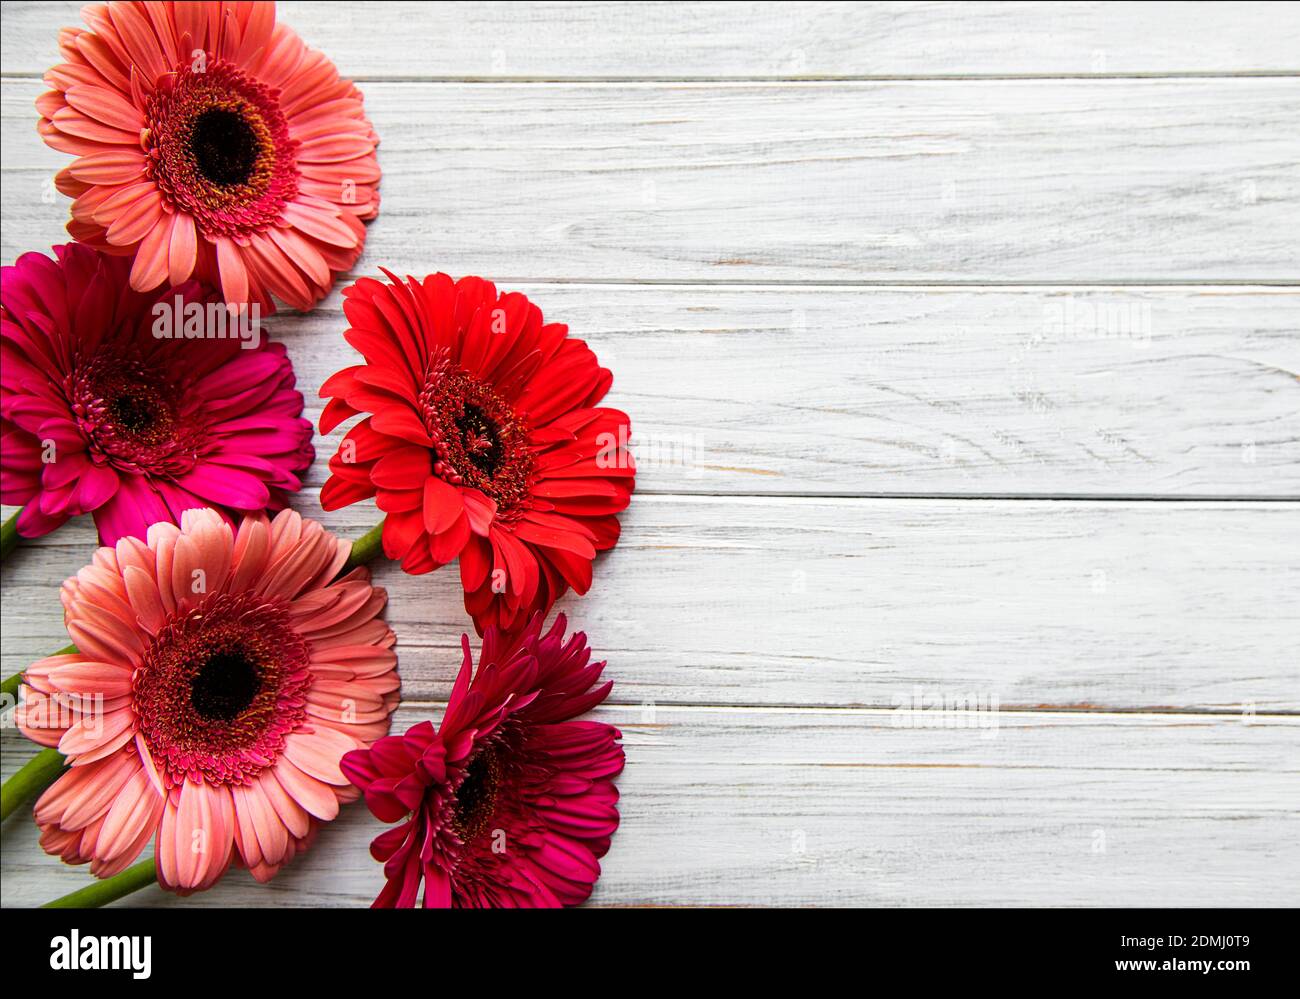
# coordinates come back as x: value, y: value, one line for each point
x: 135, y: 410
x: 225, y: 147
x: 220, y: 688
x: 224, y: 685
x: 218, y: 148
x: 476, y: 797
x: 478, y: 439
x: 130, y: 410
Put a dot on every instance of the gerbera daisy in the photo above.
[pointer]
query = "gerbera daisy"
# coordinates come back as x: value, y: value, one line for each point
x: 509, y: 803
x: 100, y: 416
x: 484, y: 441
x: 220, y: 678
x: 211, y: 142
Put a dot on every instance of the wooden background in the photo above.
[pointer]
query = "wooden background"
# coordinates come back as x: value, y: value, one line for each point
x: 961, y: 345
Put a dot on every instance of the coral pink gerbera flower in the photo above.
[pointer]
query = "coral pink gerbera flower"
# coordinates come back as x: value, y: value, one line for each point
x: 484, y: 441
x: 509, y: 803
x: 220, y: 678
x: 211, y: 142
x: 99, y: 416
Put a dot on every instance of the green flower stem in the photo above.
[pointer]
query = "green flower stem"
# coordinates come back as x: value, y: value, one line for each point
x: 34, y: 777
x: 366, y: 548
x: 47, y: 765
x: 9, y: 536
x: 142, y: 875
x: 9, y: 688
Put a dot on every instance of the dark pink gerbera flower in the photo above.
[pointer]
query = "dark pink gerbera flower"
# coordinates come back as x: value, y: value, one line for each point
x: 510, y: 803
x: 99, y: 415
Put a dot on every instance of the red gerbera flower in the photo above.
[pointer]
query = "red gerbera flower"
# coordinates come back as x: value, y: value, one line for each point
x: 211, y: 141
x: 509, y: 803
x: 98, y: 415
x: 484, y: 441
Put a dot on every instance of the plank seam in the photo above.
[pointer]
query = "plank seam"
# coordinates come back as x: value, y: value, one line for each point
x: 766, y: 284
x: 1125, y: 714
x: 830, y: 78
x: 1284, y: 501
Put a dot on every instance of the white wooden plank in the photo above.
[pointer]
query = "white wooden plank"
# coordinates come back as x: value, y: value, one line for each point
x: 1029, y: 391
x: 736, y: 600
x: 1026, y: 391
x: 1108, y: 181
x: 746, y: 807
x: 763, y: 40
x: 890, y: 391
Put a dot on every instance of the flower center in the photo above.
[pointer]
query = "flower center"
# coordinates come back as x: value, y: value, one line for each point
x: 224, y: 685
x: 220, y: 688
x: 136, y: 410
x: 129, y: 411
x: 476, y: 797
x: 478, y: 440
x: 219, y: 149
x: 225, y: 147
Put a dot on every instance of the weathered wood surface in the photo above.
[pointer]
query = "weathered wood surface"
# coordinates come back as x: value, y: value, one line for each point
x: 793, y: 601
x: 743, y: 806
x: 1180, y: 392
x: 567, y: 41
x: 961, y: 343
x: 1006, y: 181
x: 891, y: 391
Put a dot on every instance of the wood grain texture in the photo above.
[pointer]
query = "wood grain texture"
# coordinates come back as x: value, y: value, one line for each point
x: 751, y: 807
x: 1106, y: 181
x: 1014, y: 391
x: 1020, y: 392
x: 566, y: 41
x: 779, y: 601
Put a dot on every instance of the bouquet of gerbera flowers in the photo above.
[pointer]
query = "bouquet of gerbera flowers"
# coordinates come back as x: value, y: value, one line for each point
x: 232, y: 680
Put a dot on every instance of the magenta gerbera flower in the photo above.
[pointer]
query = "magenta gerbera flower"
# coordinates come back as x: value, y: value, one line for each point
x: 101, y: 415
x: 510, y: 802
